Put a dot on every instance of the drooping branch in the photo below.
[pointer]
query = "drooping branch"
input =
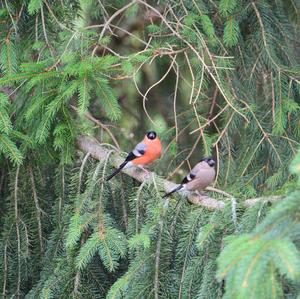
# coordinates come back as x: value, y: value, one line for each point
x: 252, y: 201
x: 90, y: 145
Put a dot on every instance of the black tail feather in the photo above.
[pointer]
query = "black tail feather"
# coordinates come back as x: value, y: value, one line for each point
x: 173, y: 191
x: 116, y: 171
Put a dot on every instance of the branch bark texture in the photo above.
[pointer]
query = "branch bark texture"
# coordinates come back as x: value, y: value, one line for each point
x: 90, y: 145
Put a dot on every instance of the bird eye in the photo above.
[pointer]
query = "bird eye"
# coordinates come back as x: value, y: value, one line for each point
x: 211, y: 162
x: 151, y: 135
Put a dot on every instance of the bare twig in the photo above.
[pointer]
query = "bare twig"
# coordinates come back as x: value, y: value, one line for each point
x: 211, y: 120
x: 266, y: 135
x: 18, y: 233
x: 192, y: 75
x: 188, y: 156
x: 89, y: 116
x: 225, y: 129
x: 5, y: 269
x: 62, y: 195
x: 153, y: 85
x: 212, y: 189
x: 273, y: 98
x: 158, y: 243
x: 38, y: 209
x: 157, y: 259
x: 85, y: 159
x: 123, y: 203
x: 106, y: 25
x: 62, y: 54
x: 251, y: 202
x: 137, y: 208
x: 174, y: 101
x: 187, y: 254
x: 61, y: 25
x: 201, y: 59
x: 45, y: 32
x: 263, y: 34
x: 213, y: 103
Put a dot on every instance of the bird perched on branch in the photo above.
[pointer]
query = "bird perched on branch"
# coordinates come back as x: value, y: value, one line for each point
x: 202, y: 175
x: 144, y: 153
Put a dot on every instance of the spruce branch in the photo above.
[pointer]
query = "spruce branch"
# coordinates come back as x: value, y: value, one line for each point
x: 89, y: 145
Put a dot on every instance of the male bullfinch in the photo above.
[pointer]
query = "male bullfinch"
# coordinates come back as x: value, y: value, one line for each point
x: 202, y: 175
x: 144, y: 153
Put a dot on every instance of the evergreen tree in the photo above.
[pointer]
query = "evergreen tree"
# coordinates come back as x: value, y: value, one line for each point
x: 211, y: 77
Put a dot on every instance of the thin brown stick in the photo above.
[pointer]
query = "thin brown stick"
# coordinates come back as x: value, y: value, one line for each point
x: 225, y: 129
x: 157, y: 260
x: 273, y: 98
x: 89, y: 116
x: 201, y: 59
x: 253, y: 201
x: 45, y: 32
x: 1, y: 181
x: 106, y: 25
x: 211, y: 120
x: 186, y: 257
x: 263, y: 34
x: 137, y: 209
x: 123, y: 203
x: 62, y: 54
x: 38, y: 209
x: 192, y: 75
x: 153, y: 85
x: 61, y: 25
x: 213, y: 103
x: 5, y: 269
x: 158, y: 244
x: 17, y: 232
x: 84, y: 161
x: 174, y: 100
x: 266, y: 135
x: 188, y: 156
x: 61, y: 198
x: 201, y: 130
x: 78, y: 275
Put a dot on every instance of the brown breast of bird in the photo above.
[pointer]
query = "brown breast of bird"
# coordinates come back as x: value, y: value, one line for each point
x: 204, y: 178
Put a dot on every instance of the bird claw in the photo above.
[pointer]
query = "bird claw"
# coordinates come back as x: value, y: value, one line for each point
x: 148, y: 173
x: 200, y: 193
x: 144, y: 169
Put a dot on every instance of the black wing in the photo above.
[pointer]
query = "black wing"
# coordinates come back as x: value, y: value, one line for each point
x: 188, y: 178
x: 131, y: 156
x: 138, y: 151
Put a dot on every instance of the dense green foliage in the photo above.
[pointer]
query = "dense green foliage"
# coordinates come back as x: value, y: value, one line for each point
x: 212, y: 77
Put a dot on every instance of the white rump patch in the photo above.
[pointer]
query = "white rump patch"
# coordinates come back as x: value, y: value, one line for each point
x: 189, y: 177
x: 128, y: 165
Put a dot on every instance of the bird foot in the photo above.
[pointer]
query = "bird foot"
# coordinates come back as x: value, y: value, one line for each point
x: 144, y: 169
x: 200, y: 193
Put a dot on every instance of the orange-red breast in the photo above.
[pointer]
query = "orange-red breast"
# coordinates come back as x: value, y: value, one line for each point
x: 144, y: 153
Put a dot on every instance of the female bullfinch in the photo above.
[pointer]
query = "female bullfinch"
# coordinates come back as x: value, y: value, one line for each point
x: 202, y: 175
x: 144, y: 153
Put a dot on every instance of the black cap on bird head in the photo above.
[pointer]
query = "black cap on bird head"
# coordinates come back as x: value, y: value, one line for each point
x: 151, y: 135
x: 209, y: 160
